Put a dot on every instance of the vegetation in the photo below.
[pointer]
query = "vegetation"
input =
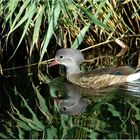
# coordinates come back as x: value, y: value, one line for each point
x: 108, y: 34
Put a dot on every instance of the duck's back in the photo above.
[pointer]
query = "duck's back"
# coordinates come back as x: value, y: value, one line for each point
x: 122, y: 70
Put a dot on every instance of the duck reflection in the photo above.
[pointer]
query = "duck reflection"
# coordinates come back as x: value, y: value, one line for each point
x: 68, y: 98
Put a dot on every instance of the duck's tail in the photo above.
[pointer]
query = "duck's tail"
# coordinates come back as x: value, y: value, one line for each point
x: 133, y: 77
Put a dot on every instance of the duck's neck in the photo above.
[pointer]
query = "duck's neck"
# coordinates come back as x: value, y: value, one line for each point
x: 75, y: 69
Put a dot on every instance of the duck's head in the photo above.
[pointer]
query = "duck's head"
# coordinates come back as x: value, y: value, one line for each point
x: 70, y: 58
x: 71, y: 107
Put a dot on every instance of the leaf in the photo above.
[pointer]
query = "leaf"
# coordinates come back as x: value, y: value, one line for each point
x: 20, y: 123
x: 34, y: 123
x: 99, y: 8
x: 93, y: 18
x: 24, y: 32
x: 107, y: 17
x: 12, y: 4
x: 81, y: 36
x: 42, y: 102
x: 112, y: 109
x: 51, y: 133
x: 3, y: 136
x: 21, y: 133
x: 37, y: 26
x: 51, y: 28
x: 64, y: 120
x: 93, y: 135
x: 28, y: 16
x: 24, y: 18
x: 22, y: 8
x: 137, y: 110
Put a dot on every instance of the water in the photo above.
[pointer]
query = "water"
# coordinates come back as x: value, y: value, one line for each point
x: 112, y: 113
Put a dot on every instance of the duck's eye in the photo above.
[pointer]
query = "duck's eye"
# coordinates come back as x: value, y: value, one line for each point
x: 61, y: 56
x: 65, y: 108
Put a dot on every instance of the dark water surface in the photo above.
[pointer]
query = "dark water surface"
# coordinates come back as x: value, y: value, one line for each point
x: 111, y: 113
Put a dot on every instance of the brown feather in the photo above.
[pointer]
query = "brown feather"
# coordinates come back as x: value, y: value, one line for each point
x: 100, y: 78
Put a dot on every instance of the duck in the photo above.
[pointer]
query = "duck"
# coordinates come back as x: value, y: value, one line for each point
x: 96, y: 79
x: 69, y: 100
x: 74, y: 104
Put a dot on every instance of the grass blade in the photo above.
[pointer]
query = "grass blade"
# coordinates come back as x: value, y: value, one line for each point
x: 51, y: 133
x: 34, y: 123
x: 24, y: 32
x: 51, y: 28
x: 24, y: 18
x: 11, y: 9
x: 93, y: 18
x: 42, y: 104
x: 81, y: 36
x: 23, y: 7
x: 37, y: 26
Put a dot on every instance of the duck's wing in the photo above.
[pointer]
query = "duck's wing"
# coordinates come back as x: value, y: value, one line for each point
x: 102, y: 77
x: 97, y: 81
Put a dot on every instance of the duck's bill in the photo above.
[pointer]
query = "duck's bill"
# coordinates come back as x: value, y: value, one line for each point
x: 53, y: 63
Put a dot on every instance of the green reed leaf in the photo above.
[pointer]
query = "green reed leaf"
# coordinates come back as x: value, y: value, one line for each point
x: 51, y: 28
x: 37, y: 26
x: 113, y: 110
x: 29, y: 17
x: 51, y: 133
x: 21, y: 133
x: 32, y: 9
x: 42, y: 102
x: 137, y: 110
x: 81, y: 36
x: 3, y: 136
x: 12, y: 5
x: 34, y: 123
x: 21, y: 10
x: 93, y: 18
